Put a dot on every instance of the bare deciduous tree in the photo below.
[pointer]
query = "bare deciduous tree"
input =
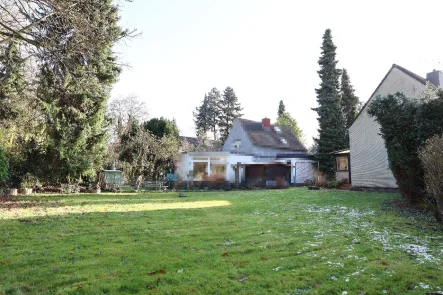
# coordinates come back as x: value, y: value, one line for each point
x: 25, y: 20
x: 431, y: 156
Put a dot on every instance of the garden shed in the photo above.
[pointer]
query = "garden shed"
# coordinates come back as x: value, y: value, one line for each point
x: 113, y: 177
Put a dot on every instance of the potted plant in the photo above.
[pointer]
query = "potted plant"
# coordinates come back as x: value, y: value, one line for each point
x: 11, y: 191
x: 28, y: 183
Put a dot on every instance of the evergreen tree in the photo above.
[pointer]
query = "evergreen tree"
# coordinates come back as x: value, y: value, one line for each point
x: 4, y: 166
x: 349, y: 101
x: 281, y: 109
x: 206, y: 117
x: 332, y: 131
x: 161, y: 127
x: 201, y: 119
x: 229, y: 110
x: 285, y: 119
x: 74, y: 90
x: 12, y: 82
x: 213, y: 110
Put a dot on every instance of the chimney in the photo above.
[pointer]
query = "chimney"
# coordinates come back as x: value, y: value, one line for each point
x: 435, y: 77
x: 266, y: 122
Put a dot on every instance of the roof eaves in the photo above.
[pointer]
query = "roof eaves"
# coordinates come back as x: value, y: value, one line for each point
x: 244, y: 129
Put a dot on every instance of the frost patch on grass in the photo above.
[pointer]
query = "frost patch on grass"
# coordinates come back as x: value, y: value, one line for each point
x: 336, y: 264
x: 383, y: 238
x: 421, y: 252
x: 344, y: 211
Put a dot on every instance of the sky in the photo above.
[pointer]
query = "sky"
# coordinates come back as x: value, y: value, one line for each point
x: 267, y: 51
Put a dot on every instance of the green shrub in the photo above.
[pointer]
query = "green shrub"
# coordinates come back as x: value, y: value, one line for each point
x: 4, y: 166
x: 405, y: 125
x: 30, y: 181
x: 431, y: 157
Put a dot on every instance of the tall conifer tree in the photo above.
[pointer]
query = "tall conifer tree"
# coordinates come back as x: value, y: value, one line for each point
x: 206, y: 117
x: 281, y: 109
x: 349, y: 100
x: 201, y: 119
x: 12, y: 81
x: 230, y: 109
x: 213, y: 110
x: 74, y: 89
x: 332, y: 131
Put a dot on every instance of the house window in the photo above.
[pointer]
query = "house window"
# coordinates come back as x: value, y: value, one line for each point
x: 200, y: 170
x: 284, y: 141
x: 218, y: 170
x: 342, y: 163
x: 236, y: 144
x: 277, y: 129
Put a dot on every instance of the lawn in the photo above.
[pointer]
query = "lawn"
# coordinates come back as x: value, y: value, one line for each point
x: 290, y: 241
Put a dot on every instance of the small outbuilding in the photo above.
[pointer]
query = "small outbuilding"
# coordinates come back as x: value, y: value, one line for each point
x: 113, y: 177
x: 342, y: 165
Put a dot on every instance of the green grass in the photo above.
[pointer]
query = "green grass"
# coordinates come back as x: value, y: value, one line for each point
x: 291, y: 241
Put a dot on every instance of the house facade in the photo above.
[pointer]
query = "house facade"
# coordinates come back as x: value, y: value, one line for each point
x: 369, y: 157
x: 254, y: 153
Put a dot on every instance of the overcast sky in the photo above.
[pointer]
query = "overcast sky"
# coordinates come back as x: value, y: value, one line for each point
x: 268, y: 51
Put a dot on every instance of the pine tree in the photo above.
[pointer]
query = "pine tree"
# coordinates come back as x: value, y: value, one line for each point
x: 4, y: 166
x: 12, y: 82
x: 332, y: 131
x: 74, y: 89
x: 281, y: 109
x: 213, y: 110
x: 349, y: 100
x: 230, y: 109
x: 201, y: 119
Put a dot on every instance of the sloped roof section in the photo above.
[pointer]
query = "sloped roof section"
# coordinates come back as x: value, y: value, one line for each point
x: 284, y: 140
x: 191, y: 140
x: 394, y: 66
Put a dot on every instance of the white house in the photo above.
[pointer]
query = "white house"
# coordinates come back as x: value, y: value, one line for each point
x: 254, y: 153
x: 369, y: 157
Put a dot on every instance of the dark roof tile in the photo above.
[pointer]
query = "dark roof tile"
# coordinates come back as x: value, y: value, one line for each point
x: 271, y: 138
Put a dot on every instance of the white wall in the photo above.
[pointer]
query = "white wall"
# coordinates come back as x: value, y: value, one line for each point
x: 237, y: 133
x: 369, y: 157
x: 232, y: 160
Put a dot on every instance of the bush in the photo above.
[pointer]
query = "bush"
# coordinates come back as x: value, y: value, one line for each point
x: 30, y: 181
x: 309, y: 182
x: 4, y: 166
x: 405, y: 125
x: 69, y: 188
x: 431, y: 157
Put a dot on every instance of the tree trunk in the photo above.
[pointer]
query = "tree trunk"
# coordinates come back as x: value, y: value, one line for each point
x: 138, y: 182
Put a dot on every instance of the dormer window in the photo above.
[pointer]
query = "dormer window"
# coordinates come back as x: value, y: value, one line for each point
x: 284, y: 141
x: 236, y: 144
x: 277, y: 129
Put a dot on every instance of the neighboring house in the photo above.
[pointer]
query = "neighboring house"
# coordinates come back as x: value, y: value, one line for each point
x: 254, y: 153
x: 369, y: 157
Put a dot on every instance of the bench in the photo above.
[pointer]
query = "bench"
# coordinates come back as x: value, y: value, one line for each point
x: 154, y: 185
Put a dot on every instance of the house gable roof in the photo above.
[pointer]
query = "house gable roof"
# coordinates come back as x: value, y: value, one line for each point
x: 192, y: 140
x: 271, y: 138
x: 394, y: 66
